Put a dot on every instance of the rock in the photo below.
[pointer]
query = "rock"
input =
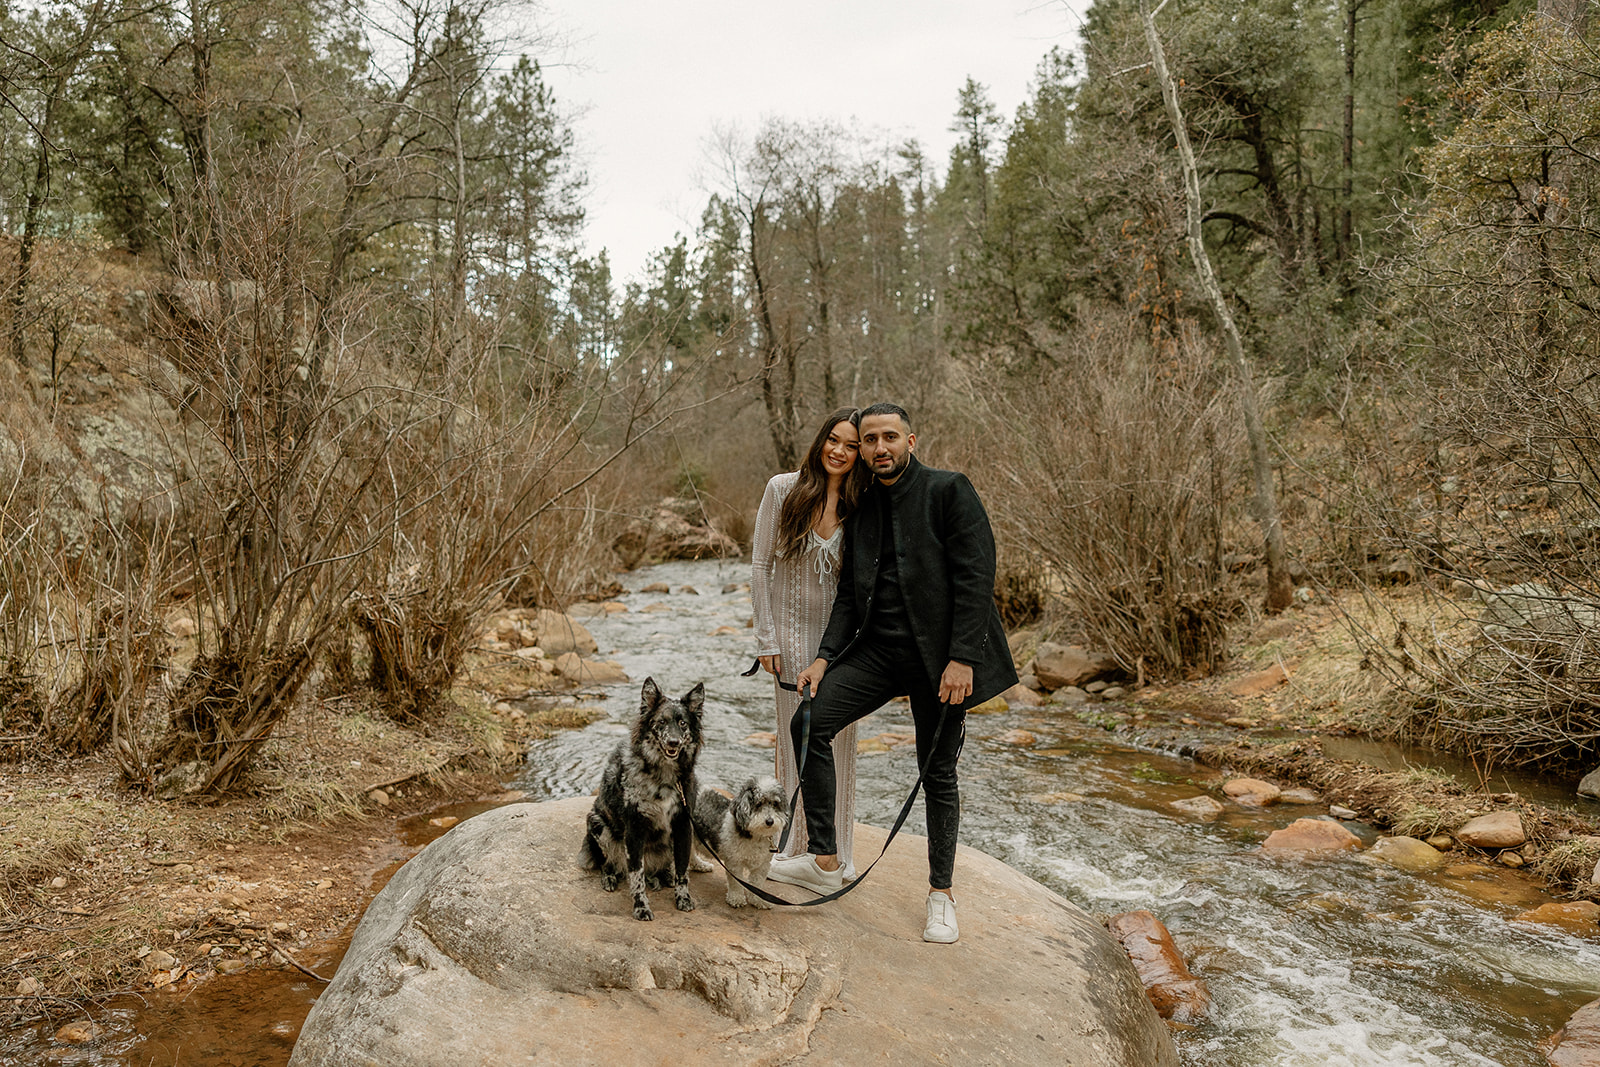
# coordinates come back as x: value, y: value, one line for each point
x: 614, y: 607
x: 1069, y: 694
x: 1311, y: 835
x: 1498, y: 829
x: 444, y: 822
x: 1175, y: 992
x: 61, y: 883
x: 1060, y: 797
x: 496, y: 922
x: 1096, y: 687
x: 181, y: 781
x: 1405, y: 853
x: 1577, y: 917
x: 575, y: 668
x: 1239, y: 721
x: 27, y: 987
x: 1257, y: 682
x: 652, y: 609
x: 1590, y: 786
x: 731, y: 587
x: 1203, y: 806
x: 1020, y: 738
x: 1578, y: 1043
x: 1020, y: 696
x: 560, y: 633
x: 724, y: 631
x: 232, y: 966
x: 689, y: 589
x: 160, y: 961
x: 1115, y: 692
x: 992, y: 706
x: 1341, y: 812
x: 586, y: 610
x: 763, y: 739
x: 656, y: 587
x: 1252, y: 792
x: 1059, y: 665
x: 79, y: 1032
x: 1442, y: 842
x: 1510, y: 858
x: 1029, y: 681
x: 675, y: 529
x: 1299, y: 795
x: 379, y: 797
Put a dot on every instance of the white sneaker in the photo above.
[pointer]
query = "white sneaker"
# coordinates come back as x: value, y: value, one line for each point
x: 804, y: 872
x: 941, y: 928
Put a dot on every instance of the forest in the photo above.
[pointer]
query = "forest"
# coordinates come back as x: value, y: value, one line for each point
x: 296, y: 326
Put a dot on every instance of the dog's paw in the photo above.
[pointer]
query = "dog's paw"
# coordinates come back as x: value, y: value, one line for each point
x: 609, y: 882
x: 682, y: 900
x: 757, y: 902
x: 700, y: 865
x: 643, y: 913
x: 736, y: 900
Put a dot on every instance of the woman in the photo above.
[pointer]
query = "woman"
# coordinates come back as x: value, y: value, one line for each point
x: 799, y: 538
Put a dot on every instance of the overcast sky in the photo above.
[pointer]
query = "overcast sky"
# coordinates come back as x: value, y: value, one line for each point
x: 650, y: 79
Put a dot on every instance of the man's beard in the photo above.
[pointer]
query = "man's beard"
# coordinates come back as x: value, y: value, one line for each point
x: 900, y: 465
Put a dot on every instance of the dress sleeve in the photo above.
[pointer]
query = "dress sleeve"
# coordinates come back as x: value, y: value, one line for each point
x: 763, y: 560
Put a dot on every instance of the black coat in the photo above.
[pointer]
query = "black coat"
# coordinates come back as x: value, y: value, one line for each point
x: 946, y: 565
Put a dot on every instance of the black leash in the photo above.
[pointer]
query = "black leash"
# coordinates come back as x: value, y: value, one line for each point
x: 800, y: 766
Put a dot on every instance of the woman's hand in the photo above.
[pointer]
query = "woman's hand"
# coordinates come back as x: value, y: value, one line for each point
x: 771, y: 664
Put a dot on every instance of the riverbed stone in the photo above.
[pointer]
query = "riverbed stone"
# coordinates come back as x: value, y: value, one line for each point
x: 559, y: 632
x: 492, y: 946
x: 1069, y: 694
x: 79, y: 1032
x: 1252, y: 792
x: 575, y: 668
x: 1405, y: 853
x: 1061, y: 665
x: 1311, y: 835
x: 1578, y: 1043
x: 1202, y: 806
x: 656, y: 587
x: 1172, y: 988
x: 1578, y: 917
x: 1020, y: 696
x: 1299, y: 795
x: 1590, y: 785
x: 1498, y: 829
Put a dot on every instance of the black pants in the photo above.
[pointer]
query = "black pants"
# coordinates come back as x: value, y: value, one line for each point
x: 853, y: 688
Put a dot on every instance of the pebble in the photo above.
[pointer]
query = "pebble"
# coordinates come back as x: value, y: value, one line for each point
x: 691, y: 590
x: 160, y: 961
x: 731, y: 587
x: 58, y: 883
x: 656, y: 587
x: 232, y: 966
x: 443, y: 822
x: 1510, y: 858
x: 1115, y: 692
x: 379, y: 797
x: 1069, y: 694
x: 1203, y: 806
x: 1341, y: 812
x: 76, y: 1033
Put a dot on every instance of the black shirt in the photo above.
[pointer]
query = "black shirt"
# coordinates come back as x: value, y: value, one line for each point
x: 890, y: 623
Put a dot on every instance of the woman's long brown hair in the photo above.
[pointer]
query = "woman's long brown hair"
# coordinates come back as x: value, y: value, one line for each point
x: 810, y: 492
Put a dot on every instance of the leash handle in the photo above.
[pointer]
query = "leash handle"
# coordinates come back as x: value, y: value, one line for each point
x: 756, y: 666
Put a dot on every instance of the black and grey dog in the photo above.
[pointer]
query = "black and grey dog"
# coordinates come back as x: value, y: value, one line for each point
x: 640, y: 823
x: 742, y: 832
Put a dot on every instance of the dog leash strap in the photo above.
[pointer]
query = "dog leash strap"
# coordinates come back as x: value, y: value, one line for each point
x: 756, y: 666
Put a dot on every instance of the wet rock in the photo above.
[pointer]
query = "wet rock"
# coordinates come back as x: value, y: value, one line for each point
x: 1020, y: 696
x: 656, y: 587
x: 1579, y: 917
x: 232, y: 966
x: 1590, y: 786
x: 1339, y: 812
x: 1059, y: 797
x: 992, y: 706
x: 1060, y: 665
x: 1174, y: 991
x: 1069, y: 694
x: 574, y: 668
x: 570, y: 972
x: 1578, y: 1043
x: 443, y: 822
x: 763, y: 739
x: 1498, y: 829
x: 1311, y: 835
x: 1404, y: 853
x: 1299, y: 795
x: 1020, y: 738
x: 560, y: 633
x: 1258, y: 682
x: 1252, y: 792
x: 1202, y: 806
x: 689, y: 589
x: 79, y: 1032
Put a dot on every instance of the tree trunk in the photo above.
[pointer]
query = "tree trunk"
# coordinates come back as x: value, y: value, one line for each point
x: 1348, y: 141
x: 1279, y: 592
x: 771, y: 359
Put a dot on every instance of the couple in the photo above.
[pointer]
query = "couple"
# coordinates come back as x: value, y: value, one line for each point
x: 874, y: 578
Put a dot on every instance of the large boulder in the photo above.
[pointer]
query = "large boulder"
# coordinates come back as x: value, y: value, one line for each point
x: 1056, y: 665
x: 1174, y: 990
x: 560, y: 633
x: 1590, y: 786
x: 1498, y: 829
x: 1578, y: 1043
x: 492, y: 946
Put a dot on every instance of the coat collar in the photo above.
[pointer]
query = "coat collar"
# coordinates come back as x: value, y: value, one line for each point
x: 903, y: 483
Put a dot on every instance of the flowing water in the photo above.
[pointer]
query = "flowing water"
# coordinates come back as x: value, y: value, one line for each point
x: 1321, y: 962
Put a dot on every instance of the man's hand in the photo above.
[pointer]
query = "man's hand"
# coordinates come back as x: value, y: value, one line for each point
x: 813, y: 674
x: 955, y: 685
x: 771, y: 664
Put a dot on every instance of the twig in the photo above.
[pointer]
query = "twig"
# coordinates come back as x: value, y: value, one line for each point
x: 296, y: 964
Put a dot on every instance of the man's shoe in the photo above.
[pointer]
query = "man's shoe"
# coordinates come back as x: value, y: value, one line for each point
x: 804, y: 872
x: 941, y: 928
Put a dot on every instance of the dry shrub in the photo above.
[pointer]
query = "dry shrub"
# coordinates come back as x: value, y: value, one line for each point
x: 1112, y: 468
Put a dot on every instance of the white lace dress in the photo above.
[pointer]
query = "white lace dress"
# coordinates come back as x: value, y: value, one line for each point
x: 792, y: 599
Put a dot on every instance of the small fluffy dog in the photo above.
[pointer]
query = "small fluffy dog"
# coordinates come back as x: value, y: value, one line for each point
x: 743, y: 832
x: 640, y: 825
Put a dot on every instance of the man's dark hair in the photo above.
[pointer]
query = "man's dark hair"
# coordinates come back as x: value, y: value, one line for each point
x: 883, y: 407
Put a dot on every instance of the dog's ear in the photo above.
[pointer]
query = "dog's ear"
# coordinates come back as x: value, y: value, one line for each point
x: 695, y: 699
x: 649, y: 695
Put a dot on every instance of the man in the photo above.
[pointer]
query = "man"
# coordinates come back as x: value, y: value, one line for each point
x: 914, y: 616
